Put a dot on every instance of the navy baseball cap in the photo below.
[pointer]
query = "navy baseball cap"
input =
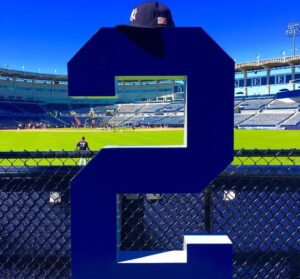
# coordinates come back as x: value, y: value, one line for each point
x: 151, y: 15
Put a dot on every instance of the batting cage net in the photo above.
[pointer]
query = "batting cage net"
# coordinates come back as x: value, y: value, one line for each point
x: 255, y: 201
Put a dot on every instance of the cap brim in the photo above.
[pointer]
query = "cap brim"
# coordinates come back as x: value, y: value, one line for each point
x: 137, y: 26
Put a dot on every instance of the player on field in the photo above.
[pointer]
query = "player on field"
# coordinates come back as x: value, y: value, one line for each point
x: 82, y: 146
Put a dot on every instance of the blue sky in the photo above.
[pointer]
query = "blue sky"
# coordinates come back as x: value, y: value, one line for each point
x: 46, y: 34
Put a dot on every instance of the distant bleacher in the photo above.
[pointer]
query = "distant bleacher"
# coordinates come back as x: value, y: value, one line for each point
x: 134, y: 121
x: 7, y: 122
x: 84, y: 110
x: 130, y: 108
x: 79, y: 106
x: 16, y: 122
x: 172, y: 121
x: 236, y: 103
x: 153, y: 108
x: 103, y: 121
x: 152, y: 120
x: 57, y: 107
x: 67, y: 120
x: 256, y: 104
x: 249, y: 113
x: 99, y: 109
x: 118, y: 120
x: 292, y: 122
x: 266, y: 119
x: 241, y: 117
x: 173, y: 107
x: 6, y: 107
x: 280, y: 104
x: 30, y: 107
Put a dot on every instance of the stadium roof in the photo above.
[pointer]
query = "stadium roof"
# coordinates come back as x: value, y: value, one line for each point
x: 268, y: 63
x: 31, y: 75
x: 281, y: 62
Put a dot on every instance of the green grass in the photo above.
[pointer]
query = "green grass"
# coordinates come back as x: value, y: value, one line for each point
x: 267, y: 139
x: 67, y: 139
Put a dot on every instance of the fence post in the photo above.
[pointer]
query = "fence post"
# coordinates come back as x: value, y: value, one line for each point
x: 208, y: 210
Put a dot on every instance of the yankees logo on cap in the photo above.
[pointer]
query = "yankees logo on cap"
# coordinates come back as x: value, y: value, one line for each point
x: 151, y: 15
x: 133, y: 14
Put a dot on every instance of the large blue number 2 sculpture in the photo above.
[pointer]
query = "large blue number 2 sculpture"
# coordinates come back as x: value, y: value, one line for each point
x: 209, y: 72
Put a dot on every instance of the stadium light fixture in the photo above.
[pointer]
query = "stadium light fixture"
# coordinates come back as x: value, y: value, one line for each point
x: 293, y: 31
x: 283, y: 54
x: 257, y: 58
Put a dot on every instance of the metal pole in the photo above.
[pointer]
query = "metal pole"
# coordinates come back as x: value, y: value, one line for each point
x: 268, y: 81
x: 294, y: 46
x: 245, y: 83
x: 208, y: 210
x: 293, y: 31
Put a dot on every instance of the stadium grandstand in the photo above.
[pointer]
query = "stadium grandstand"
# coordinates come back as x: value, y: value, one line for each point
x: 267, y: 77
x: 260, y: 88
x: 36, y: 100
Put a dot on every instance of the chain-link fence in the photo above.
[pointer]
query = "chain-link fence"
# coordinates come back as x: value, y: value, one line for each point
x: 255, y: 201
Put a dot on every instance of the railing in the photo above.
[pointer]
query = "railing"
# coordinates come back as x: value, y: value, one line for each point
x: 281, y: 60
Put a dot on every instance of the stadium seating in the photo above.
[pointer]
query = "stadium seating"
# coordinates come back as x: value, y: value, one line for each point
x: 130, y: 108
x: 8, y: 108
x: 255, y: 113
x: 30, y: 107
x: 24, y: 122
x: 134, y: 121
x: 241, y: 117
x: 279, y: 104
x: 103, y: 121
x: 152, y: 120
x: 55, y: 122
x: 99, y: 109
x: 237, y: 103
x: 82, y: 110
x: 57, y: 107
x: 266, y: 119
x: 294, y: 121
x: 152, y: 108
x: 79, y: 106
x: 118, y: 121
x: 173, y: 107
x: 68, y: 120
x: 7, y: 123
x: 255, y: 104
x: 172, y: 121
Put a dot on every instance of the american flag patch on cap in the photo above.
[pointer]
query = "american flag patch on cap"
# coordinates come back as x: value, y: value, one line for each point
x: 162, y: 20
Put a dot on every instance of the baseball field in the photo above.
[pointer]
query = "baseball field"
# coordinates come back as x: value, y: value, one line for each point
x: 66, y: 139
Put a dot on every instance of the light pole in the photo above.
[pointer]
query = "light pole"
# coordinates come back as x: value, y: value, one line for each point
x: 293, y: 31
x: 283, y: 55
x: 257, y: 58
